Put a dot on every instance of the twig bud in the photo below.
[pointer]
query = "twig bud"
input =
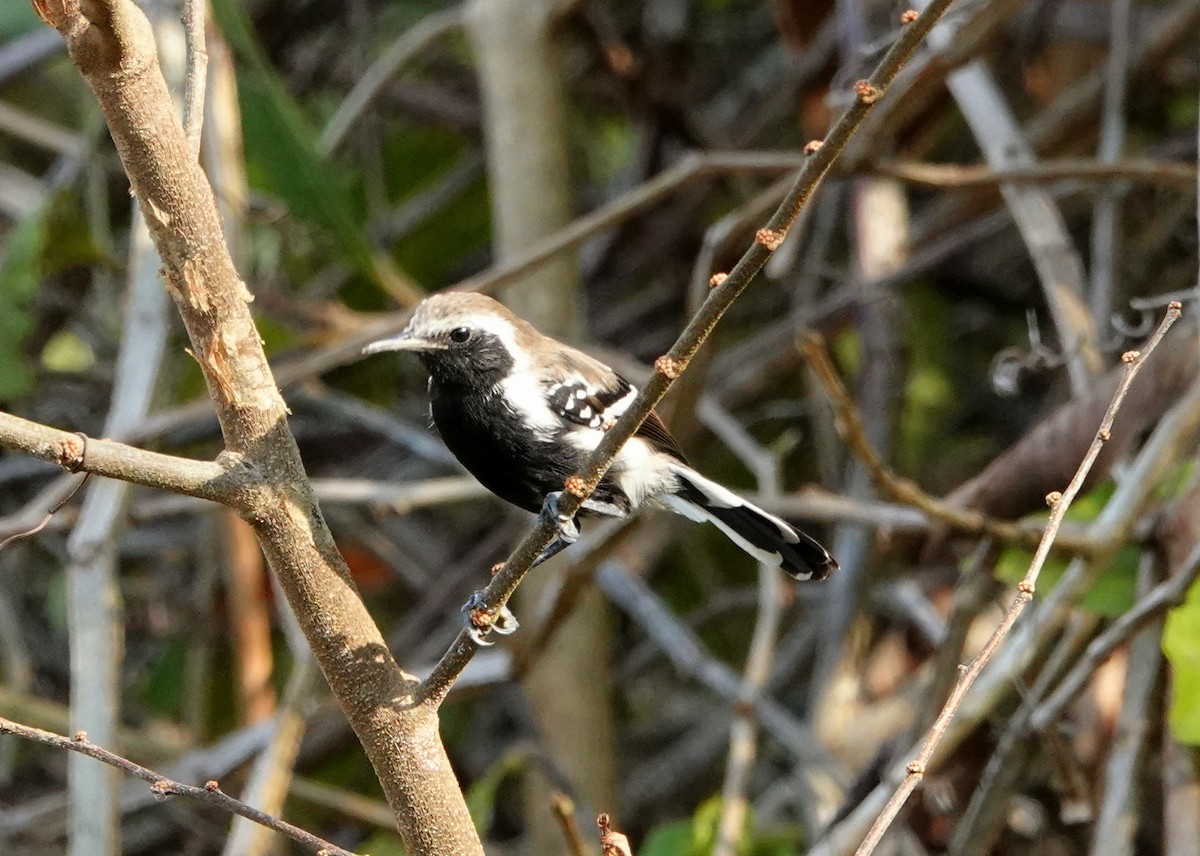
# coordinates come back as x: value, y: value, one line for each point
x: 716, y: 279
x: 575, y: 486
x: 71, y: 452
x: 813, y: 146
x: 668, y: 367
x: 909, y: 16
x: 79, y: 737
x: 1053, y: 497
x: 866, y: 92
x: 770, y: 238
x: 1130, y: 357
x: 480, y: 618
x: 212, y: 786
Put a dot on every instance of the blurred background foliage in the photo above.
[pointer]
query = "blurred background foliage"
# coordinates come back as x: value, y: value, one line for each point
x: 950, y: 348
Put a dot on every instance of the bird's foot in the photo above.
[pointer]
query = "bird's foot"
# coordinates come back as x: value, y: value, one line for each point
x: 551, y: 550
x: 482, y: 621
x: 567, y: 528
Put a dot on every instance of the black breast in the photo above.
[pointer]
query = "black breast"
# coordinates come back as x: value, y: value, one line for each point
x: 518, y: 465
x: 490, y: 440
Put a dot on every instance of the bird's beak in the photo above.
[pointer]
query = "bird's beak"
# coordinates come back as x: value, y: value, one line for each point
x: 406, y: 341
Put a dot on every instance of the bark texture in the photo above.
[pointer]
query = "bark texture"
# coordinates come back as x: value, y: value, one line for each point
x: 113, y: 46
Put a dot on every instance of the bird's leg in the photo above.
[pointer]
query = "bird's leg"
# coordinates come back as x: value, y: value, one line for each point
x: 566, y: 527
x: 480, y: 621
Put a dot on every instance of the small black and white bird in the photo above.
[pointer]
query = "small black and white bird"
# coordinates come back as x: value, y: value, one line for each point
x: 522, y: 412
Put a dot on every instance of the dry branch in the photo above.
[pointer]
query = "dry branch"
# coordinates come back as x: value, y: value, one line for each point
x: 221, y: 481
x: 164, y: 788
x: 1059, y: 503
x: 849, y: 423
x: 113, y: 47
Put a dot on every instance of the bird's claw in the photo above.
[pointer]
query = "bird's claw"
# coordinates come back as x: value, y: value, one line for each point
x: 565, y: 525
x: 481, y: 621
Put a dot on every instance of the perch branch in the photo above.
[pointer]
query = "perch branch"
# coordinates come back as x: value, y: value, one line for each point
x: 674, y: 362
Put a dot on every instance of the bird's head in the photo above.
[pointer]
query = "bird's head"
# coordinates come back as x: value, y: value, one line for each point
x: 463, y: 339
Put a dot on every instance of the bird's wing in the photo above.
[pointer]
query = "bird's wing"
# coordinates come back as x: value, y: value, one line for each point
x: 594, y: 396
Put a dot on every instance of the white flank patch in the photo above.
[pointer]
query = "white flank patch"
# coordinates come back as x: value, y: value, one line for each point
x: 617, y: 409
x: 642, y: 473
x: 524, y: 391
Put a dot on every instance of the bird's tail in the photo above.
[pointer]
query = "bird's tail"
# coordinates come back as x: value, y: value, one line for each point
x: 760, y: 534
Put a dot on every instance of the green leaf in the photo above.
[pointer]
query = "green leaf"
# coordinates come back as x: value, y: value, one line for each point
x: 66, y: 352
x: 1181, y: 646
x: 1113, y: 591
x: 281, y: 158
x: 671, y: 839
x: 481, y: 797
x: 20, y: 276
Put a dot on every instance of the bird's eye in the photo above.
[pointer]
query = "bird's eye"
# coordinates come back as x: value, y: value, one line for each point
x: 460, y: 334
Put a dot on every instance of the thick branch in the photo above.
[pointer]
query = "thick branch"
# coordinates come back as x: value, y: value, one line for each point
x: 222, y: 480
x: 113, y: 47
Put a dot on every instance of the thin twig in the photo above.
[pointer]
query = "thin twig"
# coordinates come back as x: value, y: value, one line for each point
x: 848, y: 420
x: 163, y: 788
x: 671, y: 365
x: 1059, y: 503
x: 564, y: 813
x: 195, y: 17
x: 613, y: 843
x: 1159, y: 173
x: 1106, y: 233
x: 743, y: 732
x: 217, y: 480
x: 1117, y: 820
x: 984, y: 817
x: 50, y: 512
